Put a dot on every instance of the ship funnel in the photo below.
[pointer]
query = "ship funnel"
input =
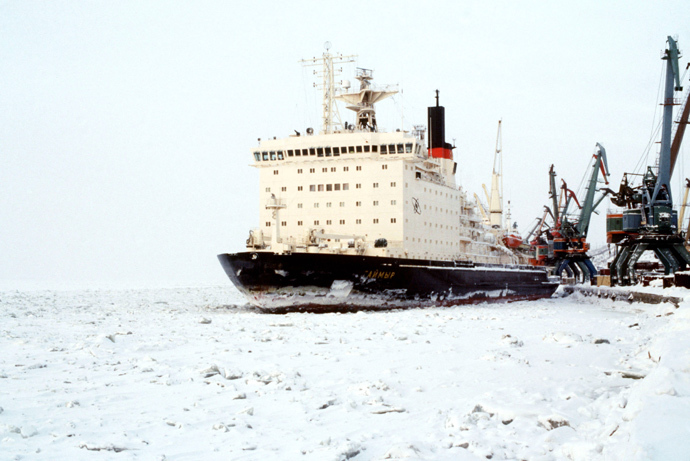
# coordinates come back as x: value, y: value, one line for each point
x: 438, y: 147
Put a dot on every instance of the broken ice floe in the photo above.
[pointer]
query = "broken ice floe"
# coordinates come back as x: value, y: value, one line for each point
x: 226, y: 373
x: 28, y: 431
x: 223, y: 427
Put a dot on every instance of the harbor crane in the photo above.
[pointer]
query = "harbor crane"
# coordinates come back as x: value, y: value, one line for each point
x: 648, y: 221
x: 563, y: 245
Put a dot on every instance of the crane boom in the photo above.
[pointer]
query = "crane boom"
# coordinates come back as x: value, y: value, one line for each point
x: 588, y: 204
x: 482, y: 209
x: 662, y: 189
x: 552, y: 191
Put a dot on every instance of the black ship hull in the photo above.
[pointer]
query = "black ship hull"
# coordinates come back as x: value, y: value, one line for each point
x: 307, y: 281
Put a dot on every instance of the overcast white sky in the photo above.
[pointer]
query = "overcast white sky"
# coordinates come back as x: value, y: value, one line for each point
x: 126, y: 127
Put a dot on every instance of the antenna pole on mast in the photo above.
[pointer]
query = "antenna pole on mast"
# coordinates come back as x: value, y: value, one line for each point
x: 330, y: 117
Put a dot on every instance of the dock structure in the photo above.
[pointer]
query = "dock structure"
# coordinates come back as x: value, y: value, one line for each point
x: 622, y: 294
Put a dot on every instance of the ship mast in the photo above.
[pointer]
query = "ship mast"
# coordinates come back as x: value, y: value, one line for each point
x: 496, y: 198
x: 330, y: 117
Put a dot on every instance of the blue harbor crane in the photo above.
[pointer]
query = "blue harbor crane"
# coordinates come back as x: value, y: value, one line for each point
x: 649, y: 222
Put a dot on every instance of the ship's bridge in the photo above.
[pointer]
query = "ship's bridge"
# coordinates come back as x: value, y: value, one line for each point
x: 313, y: 147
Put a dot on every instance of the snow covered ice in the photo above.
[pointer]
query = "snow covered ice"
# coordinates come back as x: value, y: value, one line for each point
x: 192, y: 373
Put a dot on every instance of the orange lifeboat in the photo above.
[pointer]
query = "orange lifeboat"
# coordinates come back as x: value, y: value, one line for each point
x: 512, y: 240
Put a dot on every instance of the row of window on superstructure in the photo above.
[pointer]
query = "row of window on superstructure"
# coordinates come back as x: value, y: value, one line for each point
x: 334, y: 151
x: 342, y: 204
x: 333, y: 187
x: 329, y: 222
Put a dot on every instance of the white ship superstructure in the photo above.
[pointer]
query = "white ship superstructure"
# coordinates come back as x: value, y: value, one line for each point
x: 355, y: 189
